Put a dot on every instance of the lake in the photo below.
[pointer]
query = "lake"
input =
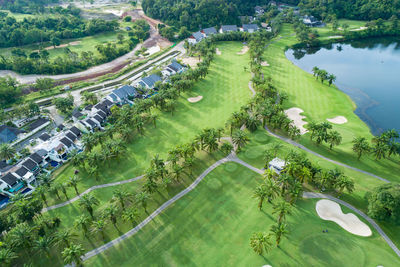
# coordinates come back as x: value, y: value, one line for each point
x: 367, y: 70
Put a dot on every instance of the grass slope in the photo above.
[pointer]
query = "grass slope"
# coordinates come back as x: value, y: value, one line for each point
x: 320, y: 102
x: 211, y: 226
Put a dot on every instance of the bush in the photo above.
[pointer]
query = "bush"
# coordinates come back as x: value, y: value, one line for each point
x: 384, y: 203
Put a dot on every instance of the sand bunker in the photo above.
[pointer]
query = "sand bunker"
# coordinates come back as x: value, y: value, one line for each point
x: 195, y: 99
x: 264, y: 64
x: 331, y: 211
x: 218, y: 52
x: 294, y: 115
x: 338, y: 120
x: 335, y: 36
x: 191, y: 61
x: 245, y: 49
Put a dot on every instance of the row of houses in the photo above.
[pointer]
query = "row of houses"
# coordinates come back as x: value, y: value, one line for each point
x: 200, y: 35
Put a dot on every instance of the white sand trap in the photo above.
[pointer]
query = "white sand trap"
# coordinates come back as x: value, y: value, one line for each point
x: 331, y: 211
x: 338, y: 120
x: 195, y: 99
x: 335, y: 36
x: 294, y: 115
x: 359, y: 29
x: 245, y: 49
x: 264, y: 64
x: 218, y: 52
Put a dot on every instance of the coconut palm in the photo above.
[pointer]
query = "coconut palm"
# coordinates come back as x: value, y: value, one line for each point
x: 282, y: 208
x: 20, y: 236
x: 43, y: 245
x: 41, y: 191
x: 260, y: 242
x: 121, y: 196
x: 272, y: 188
x: 131, y: 215
x: 73, y: 182
x: 252, y: 123
x: 44, y: 179
x: 63, y: 237
x: 54, y: 190
x: 240, y: 139
x: 315, y: 71
x: 111, y: 212
x: 334, y: 139
x: 260, y: 193
x: 98, y: 227
x: 88, y: 201
x: 6, y: 151
x: 142, y: 198
x: 7, y: 256
x: 73, y: 254
x: 295, y: 191
x: 226, y: 148
x: 63, y: 188
x: 82, y: 221
x: 331, y: 79
x: 177, y: 172
x: 344, y: 182
x: 360, y: 146
x: 279, y: 230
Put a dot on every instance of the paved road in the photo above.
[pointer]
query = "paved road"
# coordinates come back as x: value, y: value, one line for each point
x: 359, y: 212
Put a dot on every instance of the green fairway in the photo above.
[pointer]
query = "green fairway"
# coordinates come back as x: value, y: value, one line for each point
x: 224, y: 90
x: 320, y: 102
x: 211, y: 226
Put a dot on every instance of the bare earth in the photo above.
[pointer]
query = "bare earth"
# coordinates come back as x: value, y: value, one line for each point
x: 218, y: 52
x: 294, y: 115
x: 245, y: 49
x: 331, y: 211
x: 191, y: 61
x: 264, y: 64
x: 338, y: 120
x: 195, y: 99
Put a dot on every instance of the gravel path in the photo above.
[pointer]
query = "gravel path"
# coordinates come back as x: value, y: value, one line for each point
x: 359, y: 212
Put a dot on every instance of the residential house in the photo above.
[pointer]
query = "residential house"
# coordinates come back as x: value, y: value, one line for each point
x: 311, y: 21
x: 77, y: 115
x: 122, y: 95
x: 76, y: 131
x: 172, y: 69
x: 24, y: 174
x: 31, y: 165
x: 277, y: 165
x: 195, y: 38
x: 44, y: 137
x: 9, y: 134
x: 89, y: 124
x: 250, y: 28
x: 228, y: 28
x: 259, y: 10
x: 209, y: 31
x: 10, y: 183
x: 149, y: 81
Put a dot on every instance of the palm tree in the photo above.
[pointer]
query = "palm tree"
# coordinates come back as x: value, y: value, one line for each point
x: 279, y: 230
x: 65, y: 236
x: 20, y: 236
x: 41, y: 191
x: 7, y: 256
x: 73, y: 254
x: 331, y: 79
x: 98, y: 227
x: 177, y: 172
x: 360, y: 146
x: 272, y: 188
x: 44, y: 179
x: 43, y: 244
x: 334, y: 139
x: 315, y: 71
x: 121, y: 196
x: 142, y: 198
x: 63, y: 188
x: 240, y: 139
x: 6, y: 151
x: 252, y: 123
x: 260, y: 193
x: 83, y: 222
x: 260, y: 242
x: 111, y: 212
x: 88, y: 201
x: 131, y: 215
x: 73, y: 182
x: 54, y: 190
x: 344, y: 182
x: 282, y: 208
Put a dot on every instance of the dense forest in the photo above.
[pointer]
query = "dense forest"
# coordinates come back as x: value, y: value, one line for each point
x: 25, y: 6
x: 353, y: 9
x: 195, y: 14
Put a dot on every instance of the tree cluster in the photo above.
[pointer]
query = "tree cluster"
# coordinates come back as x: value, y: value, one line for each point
x: 323, y: 75
x: 322, y: 132
x: 384, y: 203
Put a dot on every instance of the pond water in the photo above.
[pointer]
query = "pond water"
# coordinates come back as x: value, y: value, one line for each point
x: 367, y: 70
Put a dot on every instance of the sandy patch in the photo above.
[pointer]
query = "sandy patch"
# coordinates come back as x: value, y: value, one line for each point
x: 218, y: 52
x: 331, y: 211
x: 338, y: 120
x: 294, y: 115
x: 191, y: 61
x: 245, y: 49
x: 359, y: 29
x: 264, y: 64
x: 335, y: 36
x: 195, y: 99
x: 61, y: 46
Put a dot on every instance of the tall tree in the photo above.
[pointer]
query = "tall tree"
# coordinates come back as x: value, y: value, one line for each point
x: 73, y: 254
x: 88, y: 201
x: 260, y: 242
x: 360, y: 146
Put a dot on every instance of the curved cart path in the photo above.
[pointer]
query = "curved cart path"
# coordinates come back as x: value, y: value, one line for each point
x: 359, y: 212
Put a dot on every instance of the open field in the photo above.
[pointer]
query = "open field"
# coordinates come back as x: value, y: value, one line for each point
x: 222, y: 95
x: 212, y: 225
x: 319, y: 102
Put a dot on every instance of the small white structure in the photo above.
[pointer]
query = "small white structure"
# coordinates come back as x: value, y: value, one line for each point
x: 195, y: 38
x: 277, y: 165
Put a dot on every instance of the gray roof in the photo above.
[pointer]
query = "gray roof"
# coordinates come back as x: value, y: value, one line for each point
x: 247, y: 27
x: 175, y: 66
x: 91, y: 123
x: 37, y: 124
x: 66, y: 141
x: 44, y: 137
x: 76, y: 131
x: 71, y: 136
x: 198, y: 36
x: 41, y: 152
x: 98, y: 118
x: 209, y: 31
x: 76, y: 113
x: 10, y: 179
x: 151, y: 80
x: 124, y: 92
x: 36, y: 158
x: 231, y: 28
x: 29, y: 164
x: 8, y: 134
x: 107, y: 102
x: 102, y: 114
x: 22, y: 171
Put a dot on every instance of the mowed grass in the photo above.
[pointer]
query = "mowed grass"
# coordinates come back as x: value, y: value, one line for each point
x: 224, y: 90
x: 87, y: 44
x: 320, y: 102
x: 212, y: 225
